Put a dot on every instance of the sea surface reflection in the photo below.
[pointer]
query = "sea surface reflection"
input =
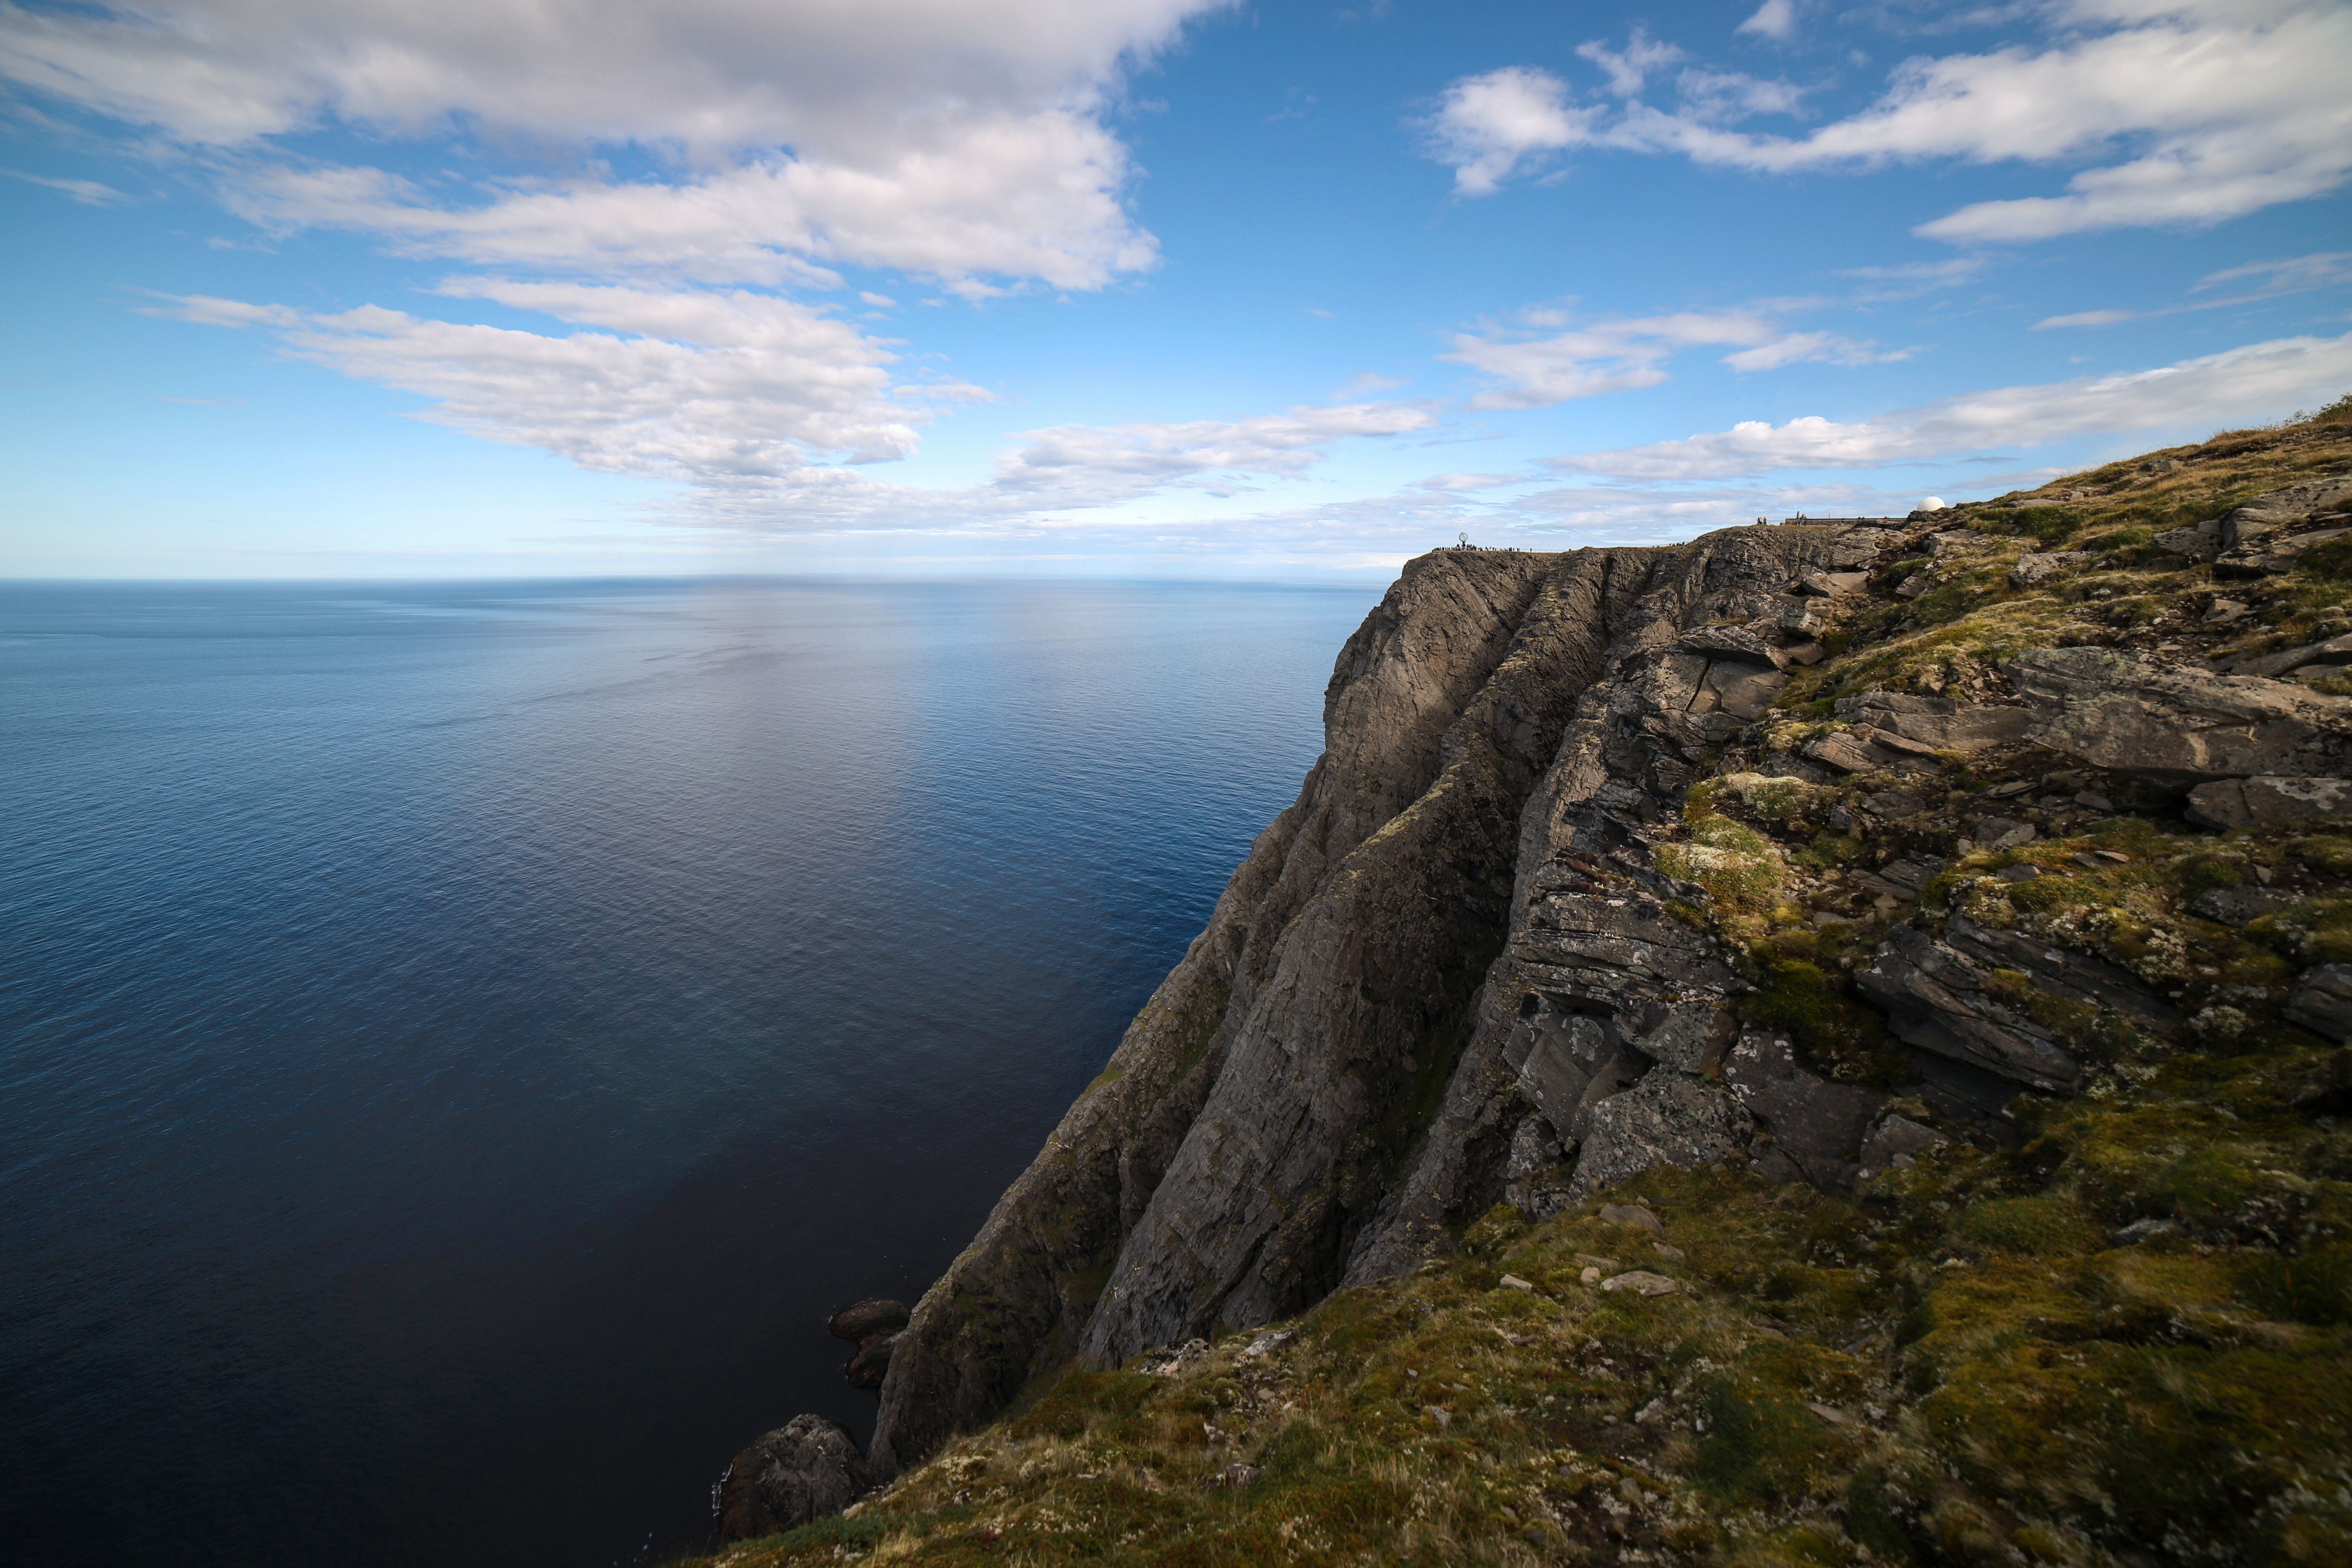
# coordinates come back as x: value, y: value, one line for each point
x: 455, y: 1042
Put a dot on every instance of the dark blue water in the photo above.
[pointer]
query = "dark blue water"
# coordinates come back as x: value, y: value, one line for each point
x: 456, y: 1043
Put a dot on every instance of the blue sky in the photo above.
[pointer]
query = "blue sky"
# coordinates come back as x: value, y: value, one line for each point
x: 411, y: 288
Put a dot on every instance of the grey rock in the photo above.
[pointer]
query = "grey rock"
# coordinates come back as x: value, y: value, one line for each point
x: 1912, y: 873
x: 2322, y: 1002
x: 2272, y: 555
x: 1692, y: 1039
x: 1634, y: 1215
x: 1464, y: 875
x: 1569, y: 1062
x: 1939, y: 724
x: 2233, y: 907
x: 1533, y: 1148
x: 2033, y: 570
x: 2267, y: 533
x: 1937, y: 1000
x: 2123, y: 713
x: 2268, y: 800
x: 1848, y: 751
x: 863, y: 1320
x: 2198, y: 541
x: 1666, y: 1119
x: 1803, y: 620
x: 1730, y: 642
x: 1736, y: 687
x: 1893, y: 803
x: 1816, y: 1126
x: 871, y: 1365
x: 1896, y: 1141
x: 2335, y: 651
x: 1641, y: 1282
x: 2069, y: 975
x: 1828, y: 584
x: 2004, y: 833
x: 807, y: 1468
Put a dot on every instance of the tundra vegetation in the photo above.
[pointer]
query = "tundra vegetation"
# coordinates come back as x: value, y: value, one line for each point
x: 2112, y: 1330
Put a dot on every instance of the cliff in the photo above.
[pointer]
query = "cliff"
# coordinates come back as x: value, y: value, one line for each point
x: 1877, y: 901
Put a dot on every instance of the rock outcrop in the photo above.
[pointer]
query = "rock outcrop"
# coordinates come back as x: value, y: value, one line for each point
x: 1641, y: 899
x: 1483, y: 959
x: 808, y: 1468
x: 1456, y: 928
x: 2117, y: 711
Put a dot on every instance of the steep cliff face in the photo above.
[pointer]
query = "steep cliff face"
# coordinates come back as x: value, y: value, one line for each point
x: 1322, y: 1086
x: 1822, y: 1045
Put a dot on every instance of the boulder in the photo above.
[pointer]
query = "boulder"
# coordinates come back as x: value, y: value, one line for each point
x: 807, y: 1468
x: 1895, y: 1142
x: 1829, y: 585
x: 2267, y: 801
x: 2123, y: 713
x: 1730, y: 642
x: 2270, y: 555
x: 2198, y: 541
x: 1847, y: 753
x: 1937, y: 1000
x: 1939, y: 724
x: 2033, y: 570
x: 1666, y: 1119
x: 2065, y: 973
x: 2335, y: 651
x: 2322, y: 1002
x: 1568, y: 1063
x: 871, y: 1365
x: 861, y: 1321
x: 1739, y: 688
x: 2004, y: 833
x: 2267, y: 533
x: 1692, y: 1038
x: 2234, y: 907
x: 1816, y: 1126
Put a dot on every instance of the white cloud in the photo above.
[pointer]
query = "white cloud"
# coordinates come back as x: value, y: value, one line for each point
x: 1629, y: 68
x: 2289, y: 275
x: 1604, y: 356
x: 743, y: 396
x: 1489, y: 127
x: 1030, y: 195
x: 2251, y: 383
x: 709, y: 386
x: 936, y: 136
x: 1096, y: 462
x: 713, y: 75
x: 89, y: 192
x: 1774, y: 19
x: 2190, y: 113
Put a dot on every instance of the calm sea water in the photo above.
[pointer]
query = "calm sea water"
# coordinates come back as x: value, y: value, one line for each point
x: 457, y: 1042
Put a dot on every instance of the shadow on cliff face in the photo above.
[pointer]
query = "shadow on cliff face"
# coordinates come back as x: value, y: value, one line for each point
x: 1799, y: 853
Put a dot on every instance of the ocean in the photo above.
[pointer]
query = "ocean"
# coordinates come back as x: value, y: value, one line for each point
x: 457, y: 1042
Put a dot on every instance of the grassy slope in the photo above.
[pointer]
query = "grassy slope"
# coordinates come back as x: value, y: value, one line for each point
x: 1960, y: 1366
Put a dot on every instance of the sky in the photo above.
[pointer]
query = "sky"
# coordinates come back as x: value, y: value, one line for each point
x: 409, y: 289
